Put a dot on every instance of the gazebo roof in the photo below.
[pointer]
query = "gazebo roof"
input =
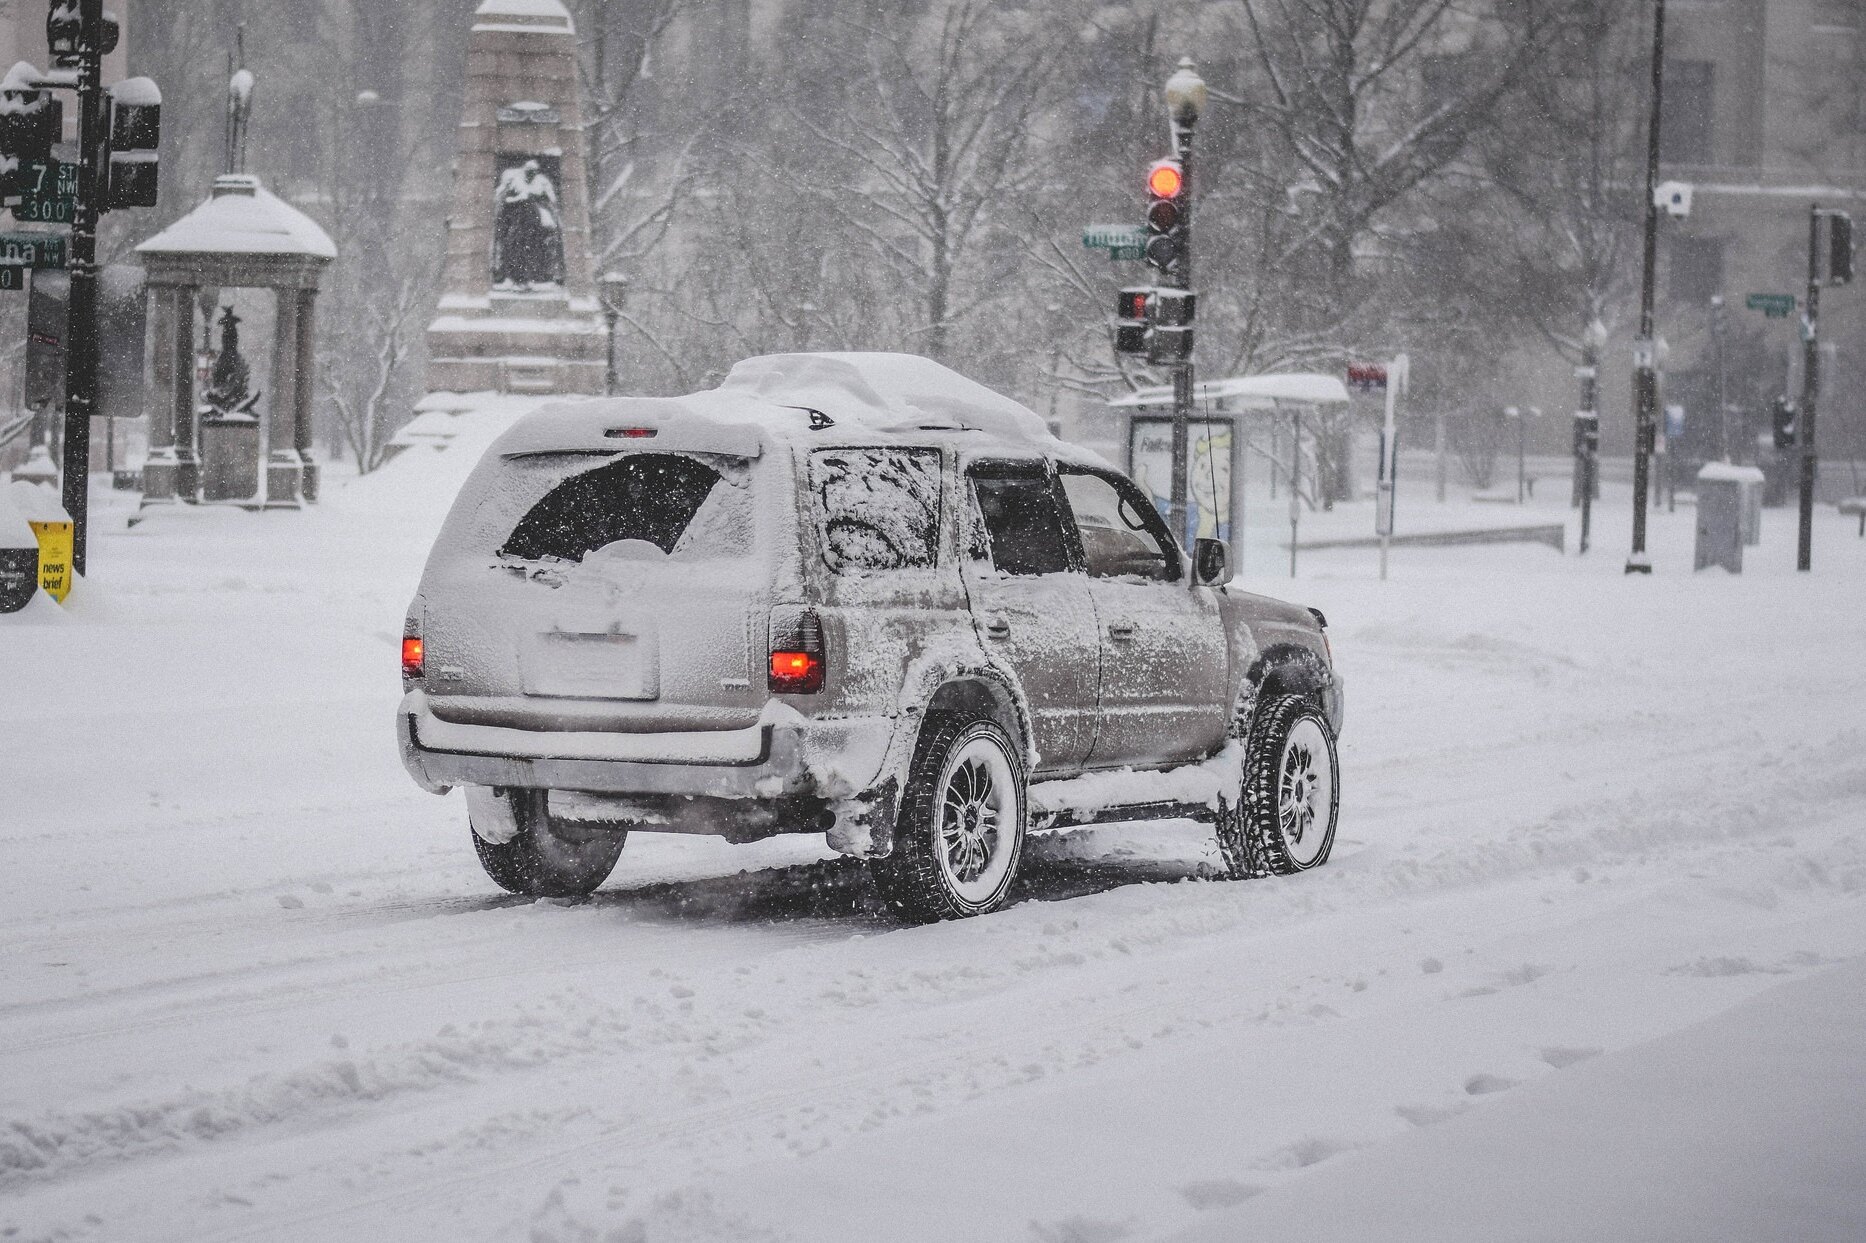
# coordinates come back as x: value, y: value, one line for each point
x: 242, y: 218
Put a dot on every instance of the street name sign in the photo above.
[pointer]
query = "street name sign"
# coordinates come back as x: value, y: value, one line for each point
x: 51, y: 193
x: 1773, y: 305
x: 33, y: 250
x: 12, y: 277
x: 1121, y: 241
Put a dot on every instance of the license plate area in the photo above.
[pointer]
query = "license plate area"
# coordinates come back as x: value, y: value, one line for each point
x: 577, y: 665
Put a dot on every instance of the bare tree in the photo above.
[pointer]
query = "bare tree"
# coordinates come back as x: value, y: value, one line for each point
x: 367, y: 393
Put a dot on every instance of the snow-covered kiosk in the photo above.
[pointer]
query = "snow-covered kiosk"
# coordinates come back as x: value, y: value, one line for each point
x: 242, y: 237
x: 1224, y: 415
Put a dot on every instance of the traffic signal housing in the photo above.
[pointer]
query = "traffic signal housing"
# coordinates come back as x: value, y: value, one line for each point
x: 1170, y: 343
x: 1166, y: 214
x: 134, y: 134
x: 1839, y: 247
x: 1130, y: 319
x: 30, y: 122
x: 1783, y: 417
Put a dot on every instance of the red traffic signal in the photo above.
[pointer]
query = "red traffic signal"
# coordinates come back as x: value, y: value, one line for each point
x: 1165, y: 179
x: 1131, y: 303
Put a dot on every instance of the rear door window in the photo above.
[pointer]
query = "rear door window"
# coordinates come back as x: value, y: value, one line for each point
x: 1023, y: 520
x: 650, y: 497
x: 877, y: 509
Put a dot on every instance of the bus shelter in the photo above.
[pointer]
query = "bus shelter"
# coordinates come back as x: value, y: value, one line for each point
x: 1227, y: 417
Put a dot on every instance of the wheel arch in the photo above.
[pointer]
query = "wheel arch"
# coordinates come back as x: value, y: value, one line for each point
x: 1281, y: 669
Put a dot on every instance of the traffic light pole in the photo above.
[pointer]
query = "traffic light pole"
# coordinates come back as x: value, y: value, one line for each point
x: 1645, y: 365
x: 1181, y: 278
x: 1810, y: 390
x: 81, y: 330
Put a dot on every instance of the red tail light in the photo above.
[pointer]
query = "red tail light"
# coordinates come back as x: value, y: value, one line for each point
x: 411, y: 657
x: 797, y: 655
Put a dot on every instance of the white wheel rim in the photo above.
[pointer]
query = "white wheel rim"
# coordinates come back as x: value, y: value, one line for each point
x: 1305, y: 792
x: 979, y: 819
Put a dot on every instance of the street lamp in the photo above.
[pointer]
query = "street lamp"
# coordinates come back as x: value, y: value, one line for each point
x: 612, y: 289
x: 1185, y: 99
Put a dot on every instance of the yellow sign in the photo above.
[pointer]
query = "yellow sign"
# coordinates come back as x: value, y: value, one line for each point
x: 54, y: 557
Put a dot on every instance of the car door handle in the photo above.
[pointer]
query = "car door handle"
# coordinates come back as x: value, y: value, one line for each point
x: 1121, y: 630
x: 997, y: 628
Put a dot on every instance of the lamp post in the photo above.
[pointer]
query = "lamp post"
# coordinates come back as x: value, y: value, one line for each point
x: 612, y: 289
x: 1645, y: 362
x: 1185, y: 99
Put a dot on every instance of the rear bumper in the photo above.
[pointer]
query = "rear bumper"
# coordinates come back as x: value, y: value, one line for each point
x: 765, y: 761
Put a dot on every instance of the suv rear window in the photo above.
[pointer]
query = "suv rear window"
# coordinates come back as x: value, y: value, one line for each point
x: 877, y: 509
x: 641, y: 496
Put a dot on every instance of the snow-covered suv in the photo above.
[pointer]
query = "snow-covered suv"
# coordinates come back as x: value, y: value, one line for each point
x: 851, y: 594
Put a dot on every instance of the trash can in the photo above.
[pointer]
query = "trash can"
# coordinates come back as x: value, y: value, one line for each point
x: 19, y: 557
x: 1729, y: 514
x: 51, y: 527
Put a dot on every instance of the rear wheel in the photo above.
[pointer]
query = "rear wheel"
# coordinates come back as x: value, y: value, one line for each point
x: 526, y: 851
x: 960, y: 834
x: 1283, y: 820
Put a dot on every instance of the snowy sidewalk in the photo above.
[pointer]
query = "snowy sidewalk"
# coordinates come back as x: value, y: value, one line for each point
x: 1750, y: 1125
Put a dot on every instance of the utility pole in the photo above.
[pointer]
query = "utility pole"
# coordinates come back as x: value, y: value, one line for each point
x: 81, y: 341
x: 1185, y: 98
x: 1587, y: 428
x: 1810, y: 391
x: 1645, y: 360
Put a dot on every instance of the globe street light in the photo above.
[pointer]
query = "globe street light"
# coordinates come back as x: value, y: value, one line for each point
x: 612, y: 289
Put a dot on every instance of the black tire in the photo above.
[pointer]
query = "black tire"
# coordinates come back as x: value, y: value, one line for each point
x: 1262, y: 833
x: 947, y: 821
x: 547, y: 858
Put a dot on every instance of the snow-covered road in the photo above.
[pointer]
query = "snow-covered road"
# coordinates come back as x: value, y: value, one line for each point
x: 254, y: 985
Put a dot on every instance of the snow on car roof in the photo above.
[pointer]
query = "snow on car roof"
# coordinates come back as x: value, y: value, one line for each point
x: 815, y: 398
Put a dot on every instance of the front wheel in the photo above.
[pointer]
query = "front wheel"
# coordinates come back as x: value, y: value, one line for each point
x: 1284, y: 818
x: 961, y: 828
x: 526, y: 851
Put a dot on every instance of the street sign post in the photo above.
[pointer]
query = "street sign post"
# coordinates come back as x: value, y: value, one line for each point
x: 1773, y: 305
x: 1121, y: 241
x: 34, y: 250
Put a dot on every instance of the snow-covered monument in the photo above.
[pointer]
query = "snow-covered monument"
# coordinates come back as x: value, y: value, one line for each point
x: 518, y: 311
x: 233, y: 434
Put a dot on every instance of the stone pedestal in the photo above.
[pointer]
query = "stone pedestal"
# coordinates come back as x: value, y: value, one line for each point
x: 521, y: 130
x: 229, y: 458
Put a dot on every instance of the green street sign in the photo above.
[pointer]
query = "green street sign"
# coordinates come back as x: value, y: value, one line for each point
x: 50, y: 193
x: 12, y: 277
x: 1121, y: 241
x: 33, y: 250
x: 1773, y: 305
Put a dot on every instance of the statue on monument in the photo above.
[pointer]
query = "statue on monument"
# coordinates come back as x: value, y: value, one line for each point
x: 528, y: 242
x: 227, y: 384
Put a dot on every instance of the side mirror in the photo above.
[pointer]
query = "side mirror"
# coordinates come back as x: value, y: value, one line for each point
x: 1211, y: 563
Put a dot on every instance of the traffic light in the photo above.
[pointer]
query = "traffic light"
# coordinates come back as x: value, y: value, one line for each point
x: 1171, y: 339
x: 1839, y: 247
x: 30, y: 121
x: 1130, y: 320
x: 135, y: 133
x: 1782, y: 421
x: 1166, y: 214
x: 65, y: 35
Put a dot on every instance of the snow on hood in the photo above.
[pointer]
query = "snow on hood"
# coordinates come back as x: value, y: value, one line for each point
x: 817, y: 398
x: 242, y: 218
